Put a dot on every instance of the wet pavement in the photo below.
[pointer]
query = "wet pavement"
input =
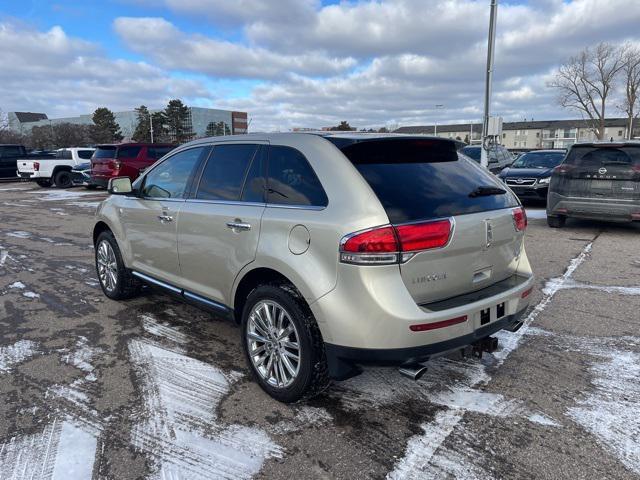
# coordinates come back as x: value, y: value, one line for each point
x: 153, y: 388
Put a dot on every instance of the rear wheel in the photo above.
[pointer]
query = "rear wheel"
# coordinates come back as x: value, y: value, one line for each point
x: 63, y: 179
x: 283, y: 344
x: 116, y: 280
x: 44, y: 183
x: 556, y: 222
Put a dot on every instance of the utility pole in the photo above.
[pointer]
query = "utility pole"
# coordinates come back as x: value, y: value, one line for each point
x: 488, y: 83
x: 435, y: 126
x: 151, y: 124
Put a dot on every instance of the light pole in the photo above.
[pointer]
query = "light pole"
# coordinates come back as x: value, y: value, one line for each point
x: 151, y: 125
x: 488, y: 82
x: 435, y: 125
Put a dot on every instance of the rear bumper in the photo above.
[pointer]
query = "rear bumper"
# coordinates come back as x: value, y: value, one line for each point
x: 29, y: 175
x: 99, y: 180
x: 338, y: 356
x: 593, y: 208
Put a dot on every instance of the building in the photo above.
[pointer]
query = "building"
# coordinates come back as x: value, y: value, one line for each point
x: 531, y: 134
x: 198, y: 121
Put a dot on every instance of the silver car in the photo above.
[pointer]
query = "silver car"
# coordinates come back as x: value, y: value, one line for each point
x: 331, y: 251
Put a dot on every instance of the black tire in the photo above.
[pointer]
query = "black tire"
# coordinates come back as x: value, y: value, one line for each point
x: 556, y: 221
x: 44, y: 183
x: 91, y: 186
x: 127, y: 286
x: 312, y: 377
x: 63, y: 179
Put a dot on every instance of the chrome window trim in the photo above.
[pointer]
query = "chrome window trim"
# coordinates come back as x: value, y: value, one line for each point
x: 296, y: 207
x: 225, y: 202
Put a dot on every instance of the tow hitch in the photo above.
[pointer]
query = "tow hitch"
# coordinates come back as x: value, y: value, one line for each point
x: 476, y: 349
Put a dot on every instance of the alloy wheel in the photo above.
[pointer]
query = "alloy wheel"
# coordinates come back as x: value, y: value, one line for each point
x: 107, y: 266
x: 273, y: 344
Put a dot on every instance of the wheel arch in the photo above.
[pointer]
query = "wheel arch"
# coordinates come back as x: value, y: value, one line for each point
x: 98, y: 228
x: 60, y: 168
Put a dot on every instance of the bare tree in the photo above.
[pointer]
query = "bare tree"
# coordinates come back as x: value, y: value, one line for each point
x: 631, y: 77
x: 586, y: 81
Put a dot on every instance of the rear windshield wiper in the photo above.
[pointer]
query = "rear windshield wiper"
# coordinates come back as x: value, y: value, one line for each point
x: 485, y: 191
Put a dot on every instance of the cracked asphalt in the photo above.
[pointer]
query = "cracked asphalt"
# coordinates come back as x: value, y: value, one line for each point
x: 153, y: 388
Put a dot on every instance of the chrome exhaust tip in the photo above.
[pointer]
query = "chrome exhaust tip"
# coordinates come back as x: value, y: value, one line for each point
x: 414, y: 372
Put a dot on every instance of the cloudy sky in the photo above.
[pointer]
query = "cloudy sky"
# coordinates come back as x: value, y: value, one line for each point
x: 298, y: 63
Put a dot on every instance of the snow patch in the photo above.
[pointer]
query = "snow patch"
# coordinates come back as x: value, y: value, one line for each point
x: 163, y: 330
x: 19, y: 234
x: 19, y: 285
x: 4, y: 254
x: 304, y: 418
x: 182, y: 432
x: 63, y: 450
x: 611, y: 411
x: 556, y: 284
x: 57, y: 195
x: 31, y: 295
x: 16, y: 353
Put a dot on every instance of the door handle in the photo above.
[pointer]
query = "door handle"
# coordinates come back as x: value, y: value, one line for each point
x: 165, y: 218
x: 239, y: 226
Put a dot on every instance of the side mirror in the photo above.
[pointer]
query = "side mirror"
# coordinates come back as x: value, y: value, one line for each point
x: 119, y: 186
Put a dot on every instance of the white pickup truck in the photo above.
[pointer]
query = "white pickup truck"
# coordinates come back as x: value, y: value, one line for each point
x: 57, y: 171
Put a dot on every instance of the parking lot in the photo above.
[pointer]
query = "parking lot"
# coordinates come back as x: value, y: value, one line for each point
x: 155, y: 388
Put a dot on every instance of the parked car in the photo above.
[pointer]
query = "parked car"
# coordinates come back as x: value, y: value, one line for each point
x: 499, y: 156
x: 124, y: 160
x: 81, y: 175
x: 599, y: 181
x: 529, y: 175
x: 386, y: 250
x: 56, y: 170
x: 9, y: 156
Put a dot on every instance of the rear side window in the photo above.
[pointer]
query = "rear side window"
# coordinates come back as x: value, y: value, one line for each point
x: 85, y: 154
x: 596, y: 157
x: 104, y: 152
x: 64, y: 154
x: 291, y: 180
x: 424, y: 179
x: 157, y: 152
x: 128, y: 152
x: 10, y: 150
x: 225, y: 172
x: 254, y: 184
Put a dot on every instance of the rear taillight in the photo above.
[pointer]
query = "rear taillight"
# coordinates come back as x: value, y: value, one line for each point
x: 36, y: 166
x: 115, y: 165
x: 519, y: 219
x: 395, y: 243
x: 563, y: 169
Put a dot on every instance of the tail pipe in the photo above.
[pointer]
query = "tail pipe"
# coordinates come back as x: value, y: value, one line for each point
x: 413, y: 371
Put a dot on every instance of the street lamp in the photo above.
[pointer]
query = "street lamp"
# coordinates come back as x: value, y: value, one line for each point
x: 488, y: 82
x: 435, y: 125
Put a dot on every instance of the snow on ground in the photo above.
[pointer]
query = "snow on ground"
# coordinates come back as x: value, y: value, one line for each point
x: 31, y: 295
x: 558, y: 284
x: 63, y: 450
x: 58, y: 195
x: 19, y: 234
x: 162, y: 330
x: 611, y: 411
x: 305, y: 416
x: 538, y: 214
x: 16, y: 353
x: 415, y: 459
x: 18, y: 285
x: 182, y: 432
x: 84, y: 204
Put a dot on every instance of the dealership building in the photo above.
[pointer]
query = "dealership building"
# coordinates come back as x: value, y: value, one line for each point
x: 531, y: 134
x: 198, y: 120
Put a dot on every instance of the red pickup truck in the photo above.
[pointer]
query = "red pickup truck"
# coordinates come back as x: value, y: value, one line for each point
x: 124, y: 160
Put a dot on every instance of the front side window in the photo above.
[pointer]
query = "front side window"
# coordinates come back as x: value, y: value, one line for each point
x: 171, y: 178
x: 291, y: 180
x: 225, y: 172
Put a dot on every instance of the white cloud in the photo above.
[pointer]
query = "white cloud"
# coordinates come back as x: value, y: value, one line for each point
x: 171, y: 48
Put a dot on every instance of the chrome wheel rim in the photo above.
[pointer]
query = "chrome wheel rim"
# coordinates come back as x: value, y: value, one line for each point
x: 273, y: 344
x: 107, y: 266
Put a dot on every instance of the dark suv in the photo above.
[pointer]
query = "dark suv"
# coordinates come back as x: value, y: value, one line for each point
x: 499, y: 156
x: 529, y: 175
x: 124, y: 160
x: 599, y: 181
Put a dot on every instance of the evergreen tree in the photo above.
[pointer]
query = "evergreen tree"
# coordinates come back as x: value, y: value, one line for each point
x: 104, y: 128
x: 142, y: 132
x: 160, y: 133
x: 177, y: 121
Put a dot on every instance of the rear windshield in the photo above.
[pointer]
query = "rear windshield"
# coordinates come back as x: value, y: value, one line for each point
x: 424, y: 179
x: 85, y: 154
x: 472, y: 152
x: 596, y: 157
x: 542, y: 160
x: 104, y: 152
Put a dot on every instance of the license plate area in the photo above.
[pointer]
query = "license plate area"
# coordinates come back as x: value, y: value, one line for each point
x: 485, y: 314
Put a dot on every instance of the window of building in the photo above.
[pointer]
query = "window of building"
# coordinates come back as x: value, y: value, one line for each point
x: 225, y: 172
x: 504, y: 135
x: 619, y: 133
x: 537, y: 134
x: 291, y: 180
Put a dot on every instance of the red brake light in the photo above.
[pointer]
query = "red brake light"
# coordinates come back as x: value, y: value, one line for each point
x: 519, y: 219
x: 423, y: 236
x: 380, y: 240
x: 563, y: 169
x: 36, y: 166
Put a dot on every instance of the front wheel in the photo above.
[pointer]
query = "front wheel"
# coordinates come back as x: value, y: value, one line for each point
x: 282, y: 344
x: 116, y: 280
x: 556, y: 222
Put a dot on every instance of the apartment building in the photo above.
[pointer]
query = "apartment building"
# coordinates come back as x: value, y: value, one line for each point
x: 531, y: 134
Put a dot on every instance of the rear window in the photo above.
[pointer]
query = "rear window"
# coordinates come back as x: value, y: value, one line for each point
x: 158, y: 152
x: 424, y: 179
x: 472, y: 152
x: 85, y: 154
x: 104, y: 152
x: 128, y: 152
x: 596, y: 157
